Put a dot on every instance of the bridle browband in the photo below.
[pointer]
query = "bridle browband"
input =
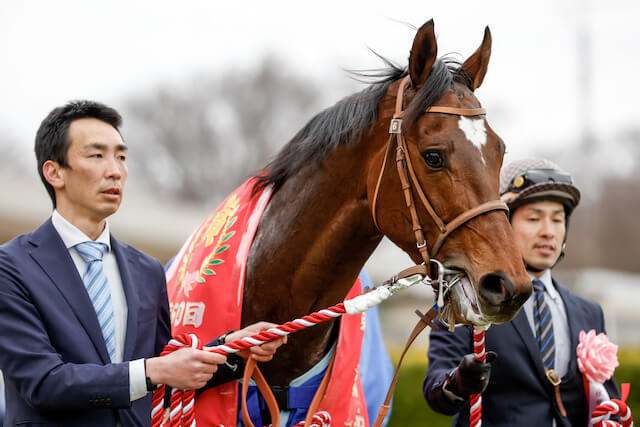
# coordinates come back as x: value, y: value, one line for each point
x: 407, y: 176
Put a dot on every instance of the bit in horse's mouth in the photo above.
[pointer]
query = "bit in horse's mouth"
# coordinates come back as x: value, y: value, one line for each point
x: 461, y: 300
x: 466, y: 288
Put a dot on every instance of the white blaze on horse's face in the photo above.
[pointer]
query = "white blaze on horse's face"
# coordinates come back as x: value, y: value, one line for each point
x: 475, y: 132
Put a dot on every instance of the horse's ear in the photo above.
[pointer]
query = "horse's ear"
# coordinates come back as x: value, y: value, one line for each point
x: 476, y: 65
x: 423, y: 54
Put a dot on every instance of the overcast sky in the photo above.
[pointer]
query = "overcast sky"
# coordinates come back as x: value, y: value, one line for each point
x: 54, y: 51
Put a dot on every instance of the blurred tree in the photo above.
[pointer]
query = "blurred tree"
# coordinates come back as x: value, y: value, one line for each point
x: 10, y: 160
x: 605, y: 231
x: 196, y: 144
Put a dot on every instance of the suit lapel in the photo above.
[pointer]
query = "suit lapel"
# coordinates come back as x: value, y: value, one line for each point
x: 521, y: 324
x: 129, y: 278
x: 53, y: 257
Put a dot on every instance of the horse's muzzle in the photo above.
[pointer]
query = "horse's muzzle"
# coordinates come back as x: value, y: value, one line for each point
x: 498, y: 297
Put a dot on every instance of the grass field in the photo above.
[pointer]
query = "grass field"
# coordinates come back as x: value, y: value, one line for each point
x: 410, y: 408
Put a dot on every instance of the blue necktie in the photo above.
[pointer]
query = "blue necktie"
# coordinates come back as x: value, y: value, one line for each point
x: 544, y: 326
x: 96, y: 283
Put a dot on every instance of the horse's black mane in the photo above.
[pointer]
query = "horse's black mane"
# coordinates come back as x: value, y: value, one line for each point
x: 349, y: 118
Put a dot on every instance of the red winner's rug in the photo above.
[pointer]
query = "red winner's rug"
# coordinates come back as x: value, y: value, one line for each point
x: 205, y: 288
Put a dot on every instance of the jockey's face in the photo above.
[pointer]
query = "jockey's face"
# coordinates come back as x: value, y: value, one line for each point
x: 539, y: 230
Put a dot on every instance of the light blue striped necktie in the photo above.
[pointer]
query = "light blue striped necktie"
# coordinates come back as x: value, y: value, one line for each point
x: 96, y: 283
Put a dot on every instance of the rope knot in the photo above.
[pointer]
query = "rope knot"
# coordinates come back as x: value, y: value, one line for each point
x: 600, y: 415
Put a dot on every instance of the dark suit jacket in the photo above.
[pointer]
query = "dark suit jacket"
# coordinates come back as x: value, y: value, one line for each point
x: 518, y: 393
x: 52, y: 353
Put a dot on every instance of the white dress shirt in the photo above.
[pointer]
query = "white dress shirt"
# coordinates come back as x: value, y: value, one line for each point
x: 71, y: 236
x: 560, y: 322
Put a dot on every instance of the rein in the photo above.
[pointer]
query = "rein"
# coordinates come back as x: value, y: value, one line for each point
x: 182, y: 402
x: 181, y: 413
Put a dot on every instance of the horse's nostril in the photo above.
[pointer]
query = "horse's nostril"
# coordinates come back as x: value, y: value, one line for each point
x: 496, y: 288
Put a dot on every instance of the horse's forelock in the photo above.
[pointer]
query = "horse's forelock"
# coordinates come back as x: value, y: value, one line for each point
x: 445, y: 71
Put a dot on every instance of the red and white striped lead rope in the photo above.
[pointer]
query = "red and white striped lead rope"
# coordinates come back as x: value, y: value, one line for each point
x: 475, y: 411
x: 182, y: 402
x: 320, y: 419
x: 181, y: 412
x: 600, y: 415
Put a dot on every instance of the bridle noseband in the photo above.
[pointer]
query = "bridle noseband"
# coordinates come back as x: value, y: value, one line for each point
x: 408, y: 176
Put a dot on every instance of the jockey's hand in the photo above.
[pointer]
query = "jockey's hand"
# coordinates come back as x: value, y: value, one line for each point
x: 471, y: 376
x: 263, y: 352
x: 184, y: 369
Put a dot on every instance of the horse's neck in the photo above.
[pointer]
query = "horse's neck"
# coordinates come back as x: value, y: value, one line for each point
x: 314, y: 236
x: 312, y: 241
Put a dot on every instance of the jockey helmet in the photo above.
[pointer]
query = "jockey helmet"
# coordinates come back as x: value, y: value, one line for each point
x: 533, y: 179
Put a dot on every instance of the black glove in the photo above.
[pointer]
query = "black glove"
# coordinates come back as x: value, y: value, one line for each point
x: 471, y: 376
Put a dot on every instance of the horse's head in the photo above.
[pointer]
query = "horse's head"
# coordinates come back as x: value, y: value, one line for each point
x: 450, y: 154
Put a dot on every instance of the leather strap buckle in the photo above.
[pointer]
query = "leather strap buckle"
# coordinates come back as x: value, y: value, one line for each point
x: 553, y: 378
x: 281, y: 393
x: 555, y: 381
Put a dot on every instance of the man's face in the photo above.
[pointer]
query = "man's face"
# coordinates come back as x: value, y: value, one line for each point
x: 539, y: 230
x: 93, y: 184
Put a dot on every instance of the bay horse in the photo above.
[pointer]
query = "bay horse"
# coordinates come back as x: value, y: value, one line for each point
x: 335, y: 193
x: 320, y: 226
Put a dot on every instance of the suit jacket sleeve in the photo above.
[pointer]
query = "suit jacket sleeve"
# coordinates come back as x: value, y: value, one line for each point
x: 40, y: 375
x: 163, y: 332
x: 446, y: 350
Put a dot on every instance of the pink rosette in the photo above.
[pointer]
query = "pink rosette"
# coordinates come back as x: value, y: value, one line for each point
x: 597, y: 356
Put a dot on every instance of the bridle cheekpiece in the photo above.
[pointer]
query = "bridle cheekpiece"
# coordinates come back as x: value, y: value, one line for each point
x: 410, y: 181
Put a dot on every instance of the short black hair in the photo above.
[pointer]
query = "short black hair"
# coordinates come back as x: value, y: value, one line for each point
x: 52, y: 139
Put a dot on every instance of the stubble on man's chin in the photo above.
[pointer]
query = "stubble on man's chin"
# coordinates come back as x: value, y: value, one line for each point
x: 538, y: 267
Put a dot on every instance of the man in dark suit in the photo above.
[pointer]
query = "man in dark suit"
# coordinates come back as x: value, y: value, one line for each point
x: 83, y: 315
x: 535, y: 381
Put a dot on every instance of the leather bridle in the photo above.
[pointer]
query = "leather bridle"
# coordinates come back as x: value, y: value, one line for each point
x: 408, y: 176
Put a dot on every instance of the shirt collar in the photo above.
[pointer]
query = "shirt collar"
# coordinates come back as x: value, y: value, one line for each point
x: 72, y: 235
x: 545, y: 278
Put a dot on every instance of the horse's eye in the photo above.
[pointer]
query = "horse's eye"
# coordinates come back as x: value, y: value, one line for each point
x: 433, y: 159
